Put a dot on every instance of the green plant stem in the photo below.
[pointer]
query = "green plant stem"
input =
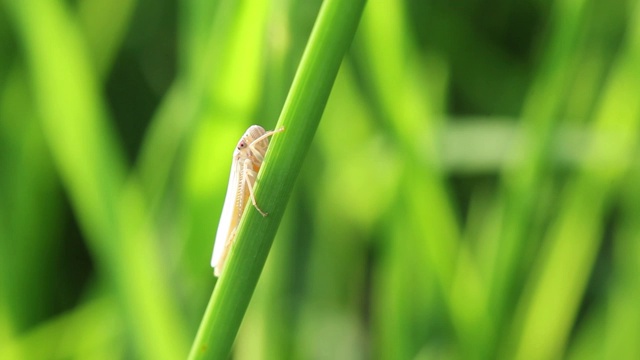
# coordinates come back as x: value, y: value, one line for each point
x: 329, y: 41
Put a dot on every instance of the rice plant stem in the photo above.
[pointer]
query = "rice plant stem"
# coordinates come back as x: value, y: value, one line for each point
x: 330, y: 39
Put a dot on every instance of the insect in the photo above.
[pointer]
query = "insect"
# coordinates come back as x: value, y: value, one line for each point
x: 247, y: 160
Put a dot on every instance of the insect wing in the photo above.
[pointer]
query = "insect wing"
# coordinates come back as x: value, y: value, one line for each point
x: 229, y: 217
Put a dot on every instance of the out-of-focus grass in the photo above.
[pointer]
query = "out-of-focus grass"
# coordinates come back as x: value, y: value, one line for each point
x: 472, y: 190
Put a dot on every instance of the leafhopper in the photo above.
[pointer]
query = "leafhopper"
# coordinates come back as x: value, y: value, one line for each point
x: 247, y: 160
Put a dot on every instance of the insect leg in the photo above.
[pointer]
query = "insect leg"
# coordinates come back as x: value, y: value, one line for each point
x: 252, y: 147
x: 249, y: 172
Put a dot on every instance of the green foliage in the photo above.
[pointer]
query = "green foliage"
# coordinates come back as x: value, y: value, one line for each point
x: 471, y: 191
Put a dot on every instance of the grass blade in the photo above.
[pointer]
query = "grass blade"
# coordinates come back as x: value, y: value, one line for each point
x: 330, y: 39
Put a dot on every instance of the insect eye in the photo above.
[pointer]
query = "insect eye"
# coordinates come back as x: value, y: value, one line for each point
x: 241, y: 145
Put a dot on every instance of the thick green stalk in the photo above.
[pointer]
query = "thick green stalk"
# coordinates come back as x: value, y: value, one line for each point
x: 329, y: 41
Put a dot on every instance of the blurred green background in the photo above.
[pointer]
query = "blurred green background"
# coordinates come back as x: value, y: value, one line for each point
x: 473, y: 191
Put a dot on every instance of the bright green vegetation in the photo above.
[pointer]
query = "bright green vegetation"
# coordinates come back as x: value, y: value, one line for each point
x: 470, y: 191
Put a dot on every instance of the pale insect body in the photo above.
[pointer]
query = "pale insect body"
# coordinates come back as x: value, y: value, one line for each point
x: 247, y: 160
